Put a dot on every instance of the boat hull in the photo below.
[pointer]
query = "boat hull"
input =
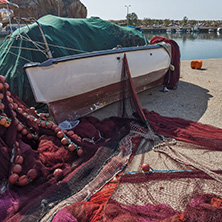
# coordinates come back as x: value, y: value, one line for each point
x: 78, y: 85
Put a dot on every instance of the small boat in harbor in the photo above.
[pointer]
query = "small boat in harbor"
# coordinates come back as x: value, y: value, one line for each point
x: 180, y: 30
x: 210, y: 30
x: 170, y: 30
x: 90, y: 77
x: 195, y: 29
x: 90, y: 81
x: 219, y: 30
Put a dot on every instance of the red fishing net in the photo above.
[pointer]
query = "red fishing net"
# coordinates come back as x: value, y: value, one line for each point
x: 31, y: 142
x: 94, y: 171
x: 173, y: 75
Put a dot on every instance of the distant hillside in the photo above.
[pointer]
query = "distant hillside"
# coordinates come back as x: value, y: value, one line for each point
x: 39, y: 8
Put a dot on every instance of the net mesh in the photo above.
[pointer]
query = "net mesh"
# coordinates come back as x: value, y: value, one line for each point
x: 161, y: 196
x: 107, y: 182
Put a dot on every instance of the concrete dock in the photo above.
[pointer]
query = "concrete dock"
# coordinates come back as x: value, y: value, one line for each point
x: 163, y: 29
x: 197, y: 98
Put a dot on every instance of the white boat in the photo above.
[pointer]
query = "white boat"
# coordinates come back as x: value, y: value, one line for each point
x: 195, y: 29
x: 180, y: 30
x: 171, y: 30
x: 219, y: 30
x: 76, y: 85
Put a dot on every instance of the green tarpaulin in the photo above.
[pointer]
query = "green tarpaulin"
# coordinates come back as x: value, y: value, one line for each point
x: 71, y: 35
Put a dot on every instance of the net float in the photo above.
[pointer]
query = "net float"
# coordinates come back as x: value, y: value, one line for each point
x: 13, y: 178
x: 146, y: 167
x: 23, y: 180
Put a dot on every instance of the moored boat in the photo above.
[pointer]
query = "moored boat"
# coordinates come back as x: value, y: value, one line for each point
x: 83, y: 83
x: 75, y: 65
x: 180, y: 30
x: 210, y: 30
x: 219, y: 30
x: 195, y: 29
x: 171, y: 30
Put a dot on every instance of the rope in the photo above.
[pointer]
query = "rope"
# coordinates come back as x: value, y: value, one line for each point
x: 136, y: 99
x: 37, y: 44
x: 30, y: 40
x: 16, y: 47
x: 177, y: 156
x: 62, y: 47
x: 20, y: 57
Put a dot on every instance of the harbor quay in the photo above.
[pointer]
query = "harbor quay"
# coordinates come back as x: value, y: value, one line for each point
x: 163, y: 29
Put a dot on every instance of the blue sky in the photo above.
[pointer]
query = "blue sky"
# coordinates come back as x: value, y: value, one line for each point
x: 155, y: 9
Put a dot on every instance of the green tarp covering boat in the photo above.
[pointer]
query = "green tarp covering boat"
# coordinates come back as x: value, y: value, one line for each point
x: 65, y: 36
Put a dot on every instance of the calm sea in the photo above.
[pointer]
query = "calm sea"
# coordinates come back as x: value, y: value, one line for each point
x: 194, y: 46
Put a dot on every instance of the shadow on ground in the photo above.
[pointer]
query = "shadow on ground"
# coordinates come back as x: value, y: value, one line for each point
x: 188, y: 101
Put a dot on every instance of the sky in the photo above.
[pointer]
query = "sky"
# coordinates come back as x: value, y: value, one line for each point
x: 155, y: 9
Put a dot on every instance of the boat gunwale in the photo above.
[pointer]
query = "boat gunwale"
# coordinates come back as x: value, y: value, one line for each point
x: 52, y: 61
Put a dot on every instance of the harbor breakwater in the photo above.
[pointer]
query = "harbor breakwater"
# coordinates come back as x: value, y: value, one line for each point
x: 176, y: 29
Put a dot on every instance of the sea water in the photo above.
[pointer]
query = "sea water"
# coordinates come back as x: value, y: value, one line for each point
x: 193, y: 46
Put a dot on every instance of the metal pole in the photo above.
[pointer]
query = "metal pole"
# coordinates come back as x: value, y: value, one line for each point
x: 58, y: 8
x: 127, y: 12
x: 49, y: 53
x: 9, y: 17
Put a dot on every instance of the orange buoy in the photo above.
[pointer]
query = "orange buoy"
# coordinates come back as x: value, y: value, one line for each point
x: 196, y: 64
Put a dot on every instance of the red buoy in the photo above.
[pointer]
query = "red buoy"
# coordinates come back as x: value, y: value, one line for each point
x: 80, y: 152
x: 58, y: 174
x: 17, y: 168
x: 13, y: 178
x: 146, y: 167
x: 32, y: 173
x: 23, y: 180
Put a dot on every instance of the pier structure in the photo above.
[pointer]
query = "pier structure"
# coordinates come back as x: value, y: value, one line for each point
x: 175, y: 29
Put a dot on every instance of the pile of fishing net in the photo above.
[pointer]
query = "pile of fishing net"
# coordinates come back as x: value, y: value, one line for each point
x: 116, y: 169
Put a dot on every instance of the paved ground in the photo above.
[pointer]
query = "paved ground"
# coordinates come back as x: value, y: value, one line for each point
x: 198, y: 97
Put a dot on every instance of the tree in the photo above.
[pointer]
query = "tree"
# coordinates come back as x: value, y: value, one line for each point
x: 193, y: 22
x: 166, y: 22
x: 185, y: 20
x: 216, y: 23
x: 147, y: 22
x: 132, y: 18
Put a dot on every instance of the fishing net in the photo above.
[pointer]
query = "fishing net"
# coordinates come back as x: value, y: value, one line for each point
x: 179, y: 185
x: 46, y: 154
x: 102, y: 178
x: 184, y: 182
x: 173, y: 74
x: 61, y: 175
